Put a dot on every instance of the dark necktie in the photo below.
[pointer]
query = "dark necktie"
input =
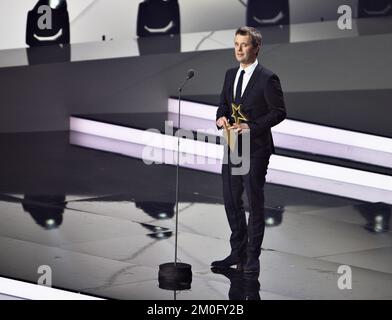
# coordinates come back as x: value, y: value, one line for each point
x: 238, y: 90
x: 237, y: 101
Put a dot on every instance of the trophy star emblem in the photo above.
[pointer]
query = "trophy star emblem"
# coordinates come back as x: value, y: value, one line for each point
x: 229, y: 135
x: 237, y: 114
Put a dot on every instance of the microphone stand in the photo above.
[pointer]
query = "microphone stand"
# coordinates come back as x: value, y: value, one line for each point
x: 178, y: 164
x: 177, y: 169
x: 177, y: 275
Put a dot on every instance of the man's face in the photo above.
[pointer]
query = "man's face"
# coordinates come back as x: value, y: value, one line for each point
x: 245, y: 53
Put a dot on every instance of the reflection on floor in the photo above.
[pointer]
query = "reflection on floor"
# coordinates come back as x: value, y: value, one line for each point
x: 104, y: 223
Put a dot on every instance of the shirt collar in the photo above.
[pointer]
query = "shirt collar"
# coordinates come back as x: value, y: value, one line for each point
x: 251, y: 68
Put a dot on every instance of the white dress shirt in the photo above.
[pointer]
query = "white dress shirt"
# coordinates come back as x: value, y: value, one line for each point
x: 248, y: 73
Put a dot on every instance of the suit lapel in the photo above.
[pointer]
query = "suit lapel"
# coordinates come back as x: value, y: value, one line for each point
x: 251, y: 82
x: 231, y: 87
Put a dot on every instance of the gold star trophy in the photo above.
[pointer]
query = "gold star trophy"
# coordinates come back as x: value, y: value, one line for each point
x: 229, y: 135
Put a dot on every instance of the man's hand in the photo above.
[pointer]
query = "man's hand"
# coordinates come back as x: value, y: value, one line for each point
x: 221, y: 121
x: 239, y: 127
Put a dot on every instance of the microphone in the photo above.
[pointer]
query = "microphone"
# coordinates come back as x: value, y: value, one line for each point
x: 189, y: 75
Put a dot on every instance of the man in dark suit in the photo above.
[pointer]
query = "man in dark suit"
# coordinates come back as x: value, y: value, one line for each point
x: 258, y: 92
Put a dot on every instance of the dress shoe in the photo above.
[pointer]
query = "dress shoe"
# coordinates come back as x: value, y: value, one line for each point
x: 230, y: 273
x: 252, y: 266
x: 229, y: 261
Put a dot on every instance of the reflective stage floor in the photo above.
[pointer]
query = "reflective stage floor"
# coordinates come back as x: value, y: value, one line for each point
x: 104, y: 222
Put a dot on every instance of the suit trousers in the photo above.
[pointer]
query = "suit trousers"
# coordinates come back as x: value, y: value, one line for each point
x: 245, y: 239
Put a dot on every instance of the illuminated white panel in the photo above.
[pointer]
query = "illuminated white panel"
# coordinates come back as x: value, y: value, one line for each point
x: 155, y: 155
x: 332, y: 172
x: 310, y: 175
x: 297, y: 135
x: 193, y: 109
x: 30, y: 291
x: 195, y: 124
x: 144, y: 137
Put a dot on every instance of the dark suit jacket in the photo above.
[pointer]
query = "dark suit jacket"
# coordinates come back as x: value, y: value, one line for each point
x: 262, y: 103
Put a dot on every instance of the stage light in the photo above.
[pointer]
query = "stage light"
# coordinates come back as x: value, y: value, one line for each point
x: 377, y: 215
x: 270, y: 221
x: 266, y: 13
x: 161, y: 235
x: 158, y: 17
x: 54, y: 31
x: 46, y: 215
x: 50, y: 223
x: 156, y: 210
x: 374, y: 8
x: 379, y: 223
x: 54, y: 4
x: 273, y: 216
